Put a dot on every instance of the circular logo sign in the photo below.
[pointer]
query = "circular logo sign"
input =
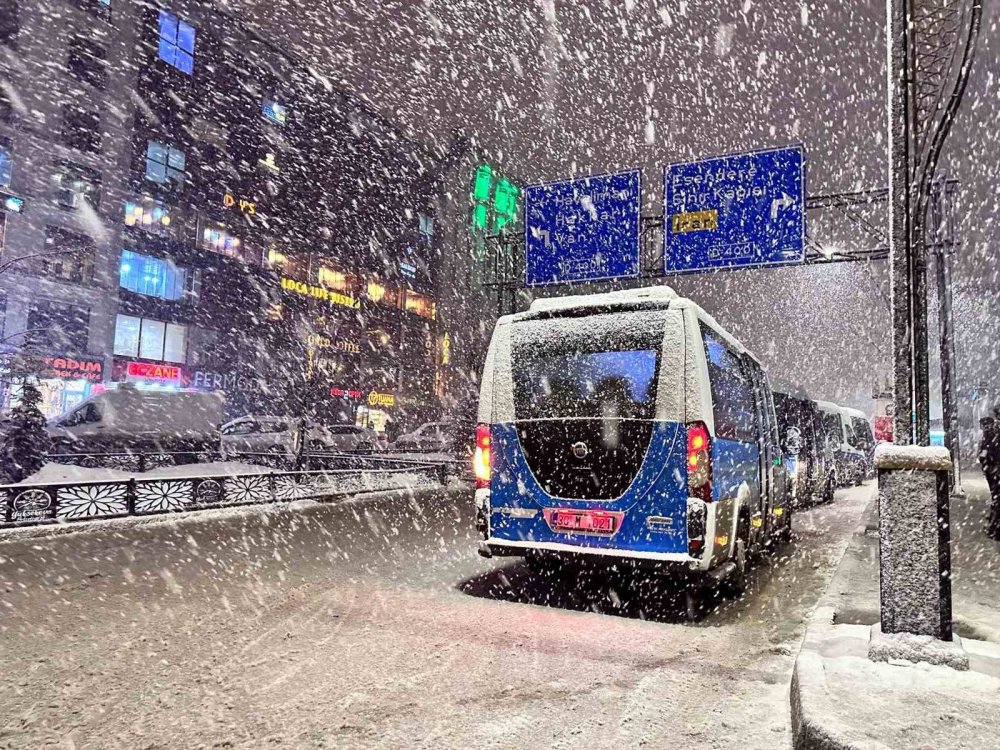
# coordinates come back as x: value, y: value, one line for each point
x: 580, y: 449
x: 209, y: 491
x: 31, y: 505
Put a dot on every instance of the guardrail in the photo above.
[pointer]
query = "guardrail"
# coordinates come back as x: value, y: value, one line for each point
x: 53, y: 502
x: 310, y: 461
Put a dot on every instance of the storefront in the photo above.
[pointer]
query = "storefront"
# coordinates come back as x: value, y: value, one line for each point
x: 63, y: 380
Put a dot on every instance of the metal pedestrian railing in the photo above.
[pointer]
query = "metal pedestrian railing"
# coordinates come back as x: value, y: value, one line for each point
x: 327, y: 476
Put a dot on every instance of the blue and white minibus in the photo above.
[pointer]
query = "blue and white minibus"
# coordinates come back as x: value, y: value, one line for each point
x: 627, y: 426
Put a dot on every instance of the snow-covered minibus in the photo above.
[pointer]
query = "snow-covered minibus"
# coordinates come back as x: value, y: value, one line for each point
x: 627, y: 426
x: 850, y: 461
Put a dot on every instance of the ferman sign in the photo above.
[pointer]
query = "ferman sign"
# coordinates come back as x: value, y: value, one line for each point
x: 230, y: 382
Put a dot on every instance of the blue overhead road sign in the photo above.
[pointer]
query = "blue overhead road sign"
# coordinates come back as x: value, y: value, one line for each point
x: 582, y: 230
x: 743, y: 210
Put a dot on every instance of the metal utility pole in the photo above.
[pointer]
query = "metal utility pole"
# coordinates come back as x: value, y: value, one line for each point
x: 930, y: 46
x: 900, y: 216
x: 943, y: 196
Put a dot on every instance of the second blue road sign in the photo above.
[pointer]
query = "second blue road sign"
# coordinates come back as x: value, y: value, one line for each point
x: 743, y: 210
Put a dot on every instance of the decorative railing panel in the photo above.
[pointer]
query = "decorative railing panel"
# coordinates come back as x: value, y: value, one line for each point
x: 29, y: 504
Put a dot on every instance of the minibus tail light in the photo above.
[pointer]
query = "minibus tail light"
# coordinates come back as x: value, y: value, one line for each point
x: 699, y: 461
x: 482, y: 460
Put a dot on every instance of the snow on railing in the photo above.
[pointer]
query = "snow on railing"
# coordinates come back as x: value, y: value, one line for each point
x: 58, y: 501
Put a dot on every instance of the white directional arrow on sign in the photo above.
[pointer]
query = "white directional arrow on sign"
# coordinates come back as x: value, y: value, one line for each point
x: 785, y: 201
x: 540, y: 234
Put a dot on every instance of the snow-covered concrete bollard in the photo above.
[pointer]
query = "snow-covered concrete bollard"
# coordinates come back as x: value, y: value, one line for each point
x: 914, y: 539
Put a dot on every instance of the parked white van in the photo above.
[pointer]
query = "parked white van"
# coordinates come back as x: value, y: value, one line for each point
x: 140, y: 421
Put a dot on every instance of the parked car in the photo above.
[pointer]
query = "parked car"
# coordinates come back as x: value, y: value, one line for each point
x: 139, y: 421
x: 430, y: 437
x: 252, y: 434
x: 348, y: 438
x: 628, y: 428
x: 810, y: 473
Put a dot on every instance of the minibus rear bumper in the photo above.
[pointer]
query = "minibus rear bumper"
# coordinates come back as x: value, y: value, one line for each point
x: 512, y: 548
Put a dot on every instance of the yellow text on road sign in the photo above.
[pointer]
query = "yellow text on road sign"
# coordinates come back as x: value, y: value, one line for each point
x: 694, y: 221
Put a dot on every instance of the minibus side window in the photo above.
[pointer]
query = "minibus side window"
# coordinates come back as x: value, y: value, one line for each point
x: 733, y: 404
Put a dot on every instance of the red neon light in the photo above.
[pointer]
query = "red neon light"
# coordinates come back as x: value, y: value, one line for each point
x: 152, y: 371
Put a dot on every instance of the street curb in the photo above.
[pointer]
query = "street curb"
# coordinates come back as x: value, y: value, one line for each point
x: 808, y: 692
x: 808, y: 689
x: 183, y: 519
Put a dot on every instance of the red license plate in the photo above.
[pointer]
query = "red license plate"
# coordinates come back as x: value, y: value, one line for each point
x: 584, y: 521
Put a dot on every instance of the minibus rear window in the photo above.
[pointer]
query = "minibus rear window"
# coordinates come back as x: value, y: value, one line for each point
x: 593, y: 368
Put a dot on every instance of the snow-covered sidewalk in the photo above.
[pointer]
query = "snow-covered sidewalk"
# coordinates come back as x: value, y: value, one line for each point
x: 842, y: 699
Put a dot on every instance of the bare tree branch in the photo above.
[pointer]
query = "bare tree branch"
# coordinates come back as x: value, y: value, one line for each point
x: 8, y: 264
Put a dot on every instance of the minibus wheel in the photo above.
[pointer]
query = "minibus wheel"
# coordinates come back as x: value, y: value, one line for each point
x: 786, y: 531
x: 736, y: 583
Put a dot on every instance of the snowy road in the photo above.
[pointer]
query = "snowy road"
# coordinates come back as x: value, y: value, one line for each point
x: 375, y: 625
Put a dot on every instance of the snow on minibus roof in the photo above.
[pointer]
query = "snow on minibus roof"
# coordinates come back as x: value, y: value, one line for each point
x: 646, y: 297
x: 828, y: 406
x: 854, y: 413
x: 789, y: 389
x: 655, y: 295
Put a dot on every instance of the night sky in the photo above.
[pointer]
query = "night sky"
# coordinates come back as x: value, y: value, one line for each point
x: 571, y: 88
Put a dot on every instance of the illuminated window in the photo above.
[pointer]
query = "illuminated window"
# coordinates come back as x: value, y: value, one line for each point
x: 426, y: 225
x: 6, y: 162
x: 150, y: 339
x: 176, y: 45
x: 164, y: 164
x: 274, y: 111
x: 154, y: 277
x: 382, y: 294
x: 421, y: 304
x: 276, y: 257
x: 148, y: 214
x: 216, y: 238
x: 335, y: 279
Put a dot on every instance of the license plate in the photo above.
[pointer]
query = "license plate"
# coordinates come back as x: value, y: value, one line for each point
x: 584, y: 521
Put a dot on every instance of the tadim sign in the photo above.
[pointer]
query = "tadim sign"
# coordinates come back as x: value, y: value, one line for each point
x: 73, y: 368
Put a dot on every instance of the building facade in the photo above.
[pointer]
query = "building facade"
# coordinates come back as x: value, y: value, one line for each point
x: 186, y: 207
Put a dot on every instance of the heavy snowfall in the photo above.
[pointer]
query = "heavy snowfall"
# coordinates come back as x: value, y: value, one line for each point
x: 448, y: 374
